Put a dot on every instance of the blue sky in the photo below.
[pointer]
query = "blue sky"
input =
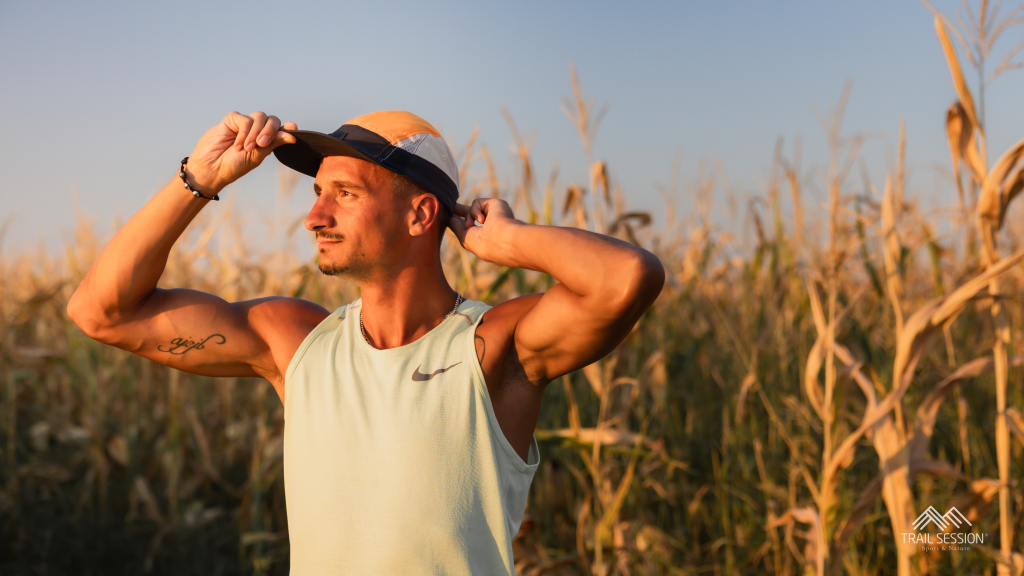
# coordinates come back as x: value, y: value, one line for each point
x: 106, y: 98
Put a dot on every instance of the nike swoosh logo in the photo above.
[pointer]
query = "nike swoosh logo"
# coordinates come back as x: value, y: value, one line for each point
x: 418, y: 376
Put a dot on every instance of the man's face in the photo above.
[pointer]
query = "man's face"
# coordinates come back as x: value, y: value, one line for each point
x: 357, y: 219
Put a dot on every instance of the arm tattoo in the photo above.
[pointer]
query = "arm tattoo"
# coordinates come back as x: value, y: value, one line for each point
x: 182, y: 345
x: 481, y: 348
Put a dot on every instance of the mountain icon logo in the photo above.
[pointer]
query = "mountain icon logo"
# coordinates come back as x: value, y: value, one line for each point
x: 418, y: 376
x: 952, y: 517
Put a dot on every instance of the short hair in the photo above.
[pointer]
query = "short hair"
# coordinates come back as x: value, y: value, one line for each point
x: 405, y: 188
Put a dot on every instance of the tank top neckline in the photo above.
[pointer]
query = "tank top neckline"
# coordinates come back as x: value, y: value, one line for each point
x: 362, y: 344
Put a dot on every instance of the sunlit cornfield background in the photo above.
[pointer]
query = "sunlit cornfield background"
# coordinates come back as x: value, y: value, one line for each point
x: 798, y: 394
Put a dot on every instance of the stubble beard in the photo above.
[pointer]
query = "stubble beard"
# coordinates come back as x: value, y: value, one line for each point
x: 354, y: 271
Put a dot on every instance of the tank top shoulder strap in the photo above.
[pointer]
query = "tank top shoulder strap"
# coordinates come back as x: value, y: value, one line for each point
x: 332, y: 322
x: 469, y: 314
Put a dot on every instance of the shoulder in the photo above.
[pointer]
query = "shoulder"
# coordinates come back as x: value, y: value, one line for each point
x: 495, y: 337
x: 282, y: 324
x: 277, y: 314
x: 502, y: 318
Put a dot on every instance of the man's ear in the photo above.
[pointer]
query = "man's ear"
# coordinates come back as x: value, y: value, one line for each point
x: 425, y: 209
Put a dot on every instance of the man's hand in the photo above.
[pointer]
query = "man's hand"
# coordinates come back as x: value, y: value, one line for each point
x: 489, y: 241
x: 233, y: 148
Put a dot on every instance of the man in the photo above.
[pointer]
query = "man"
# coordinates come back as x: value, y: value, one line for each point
x: 409, y: 413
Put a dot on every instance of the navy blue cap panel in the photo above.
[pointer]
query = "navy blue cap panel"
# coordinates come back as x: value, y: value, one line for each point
x: 306, y: 154
x: 354, y: 141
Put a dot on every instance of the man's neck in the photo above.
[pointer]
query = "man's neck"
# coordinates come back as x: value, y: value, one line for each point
x: 403, y: 309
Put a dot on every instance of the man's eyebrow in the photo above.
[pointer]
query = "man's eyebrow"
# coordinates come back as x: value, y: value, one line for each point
x: 338, y: 184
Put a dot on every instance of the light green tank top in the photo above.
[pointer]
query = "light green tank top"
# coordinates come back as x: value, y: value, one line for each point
x: 394, y: 462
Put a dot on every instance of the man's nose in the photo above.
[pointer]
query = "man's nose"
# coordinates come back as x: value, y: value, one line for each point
x: 318, y: 218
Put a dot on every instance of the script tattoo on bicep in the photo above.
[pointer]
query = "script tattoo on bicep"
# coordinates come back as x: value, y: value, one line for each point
x: 180, y: 346
x: 481, y: 347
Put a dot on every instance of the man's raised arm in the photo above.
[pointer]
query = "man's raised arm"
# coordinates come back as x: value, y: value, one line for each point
x: 118, y: 303
x: 605, y: 285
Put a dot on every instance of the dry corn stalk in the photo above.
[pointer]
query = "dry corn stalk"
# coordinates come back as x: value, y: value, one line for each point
x: 891, y: 251
x: 894, y: 460
x: 998, y: 187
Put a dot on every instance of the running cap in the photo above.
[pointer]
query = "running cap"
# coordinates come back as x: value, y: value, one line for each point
x: 398, y: 141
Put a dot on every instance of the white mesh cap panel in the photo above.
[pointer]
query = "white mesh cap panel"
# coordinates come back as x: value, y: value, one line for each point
x: 436, y: 151
x: 411, y: 143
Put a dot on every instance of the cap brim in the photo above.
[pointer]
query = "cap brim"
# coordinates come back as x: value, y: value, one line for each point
x: 309, y: 150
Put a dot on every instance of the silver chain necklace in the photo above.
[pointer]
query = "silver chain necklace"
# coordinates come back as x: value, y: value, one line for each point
x: 458, y: 300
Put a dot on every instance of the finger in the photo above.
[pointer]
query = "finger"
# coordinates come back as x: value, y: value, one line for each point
x: 240, y: 125
x: 461, y: 209
x: 259, y: 120
x: 266, y: 135
x: 477, y: 211
x: 282, y: 138
x: 290, y: 126
x: 458, y: 227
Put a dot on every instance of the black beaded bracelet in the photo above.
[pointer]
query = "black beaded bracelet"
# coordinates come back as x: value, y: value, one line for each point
x: 188, y: 186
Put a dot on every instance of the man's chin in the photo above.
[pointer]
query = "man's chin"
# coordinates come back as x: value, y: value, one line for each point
x: 331, y: 269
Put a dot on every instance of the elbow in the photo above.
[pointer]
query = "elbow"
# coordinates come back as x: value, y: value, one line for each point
x: 651, y: 279
x: 642, y: 284
x: 87, y: 317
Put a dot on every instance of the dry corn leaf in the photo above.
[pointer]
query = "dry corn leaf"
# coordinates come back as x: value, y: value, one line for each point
x: 865, y: 503
x: 1013, y: 188
x: 694, y: 504
x: 974, y: 503
x: 594, y: 377
x: 954, y: 69
x: 741, y: 398
x: 939, y: 468
x: 815, y: 358
x: 148, y: 501
x: 928, y: 409
x: 992, y: 203
x: 995, y: 181
x: 653, y: 375
x: 871, y: 492
x: 573, y: 194
x: 954, y: 128
x: 963, y: 146
x: 917, y: 331
x: 891, y: 253
x: 813, y: 552
x: 599, y: 176
x: 605, y: 436
x: 642, y: 219
x: 611, y: 512
x: 1016, y: 561
x: 929, y: 319
x: 117, y: 448
x: 1015, y: 423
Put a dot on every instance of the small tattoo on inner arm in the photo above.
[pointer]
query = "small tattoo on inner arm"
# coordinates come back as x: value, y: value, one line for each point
x: 481, y: 348
x: 182, y: 345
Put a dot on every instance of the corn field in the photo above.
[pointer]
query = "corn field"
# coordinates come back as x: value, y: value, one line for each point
x: 790, y: 405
